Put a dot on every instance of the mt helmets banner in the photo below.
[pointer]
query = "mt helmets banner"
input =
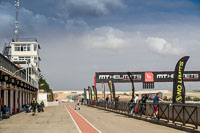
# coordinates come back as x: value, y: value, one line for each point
x: 90, y: 93
x: 112, y: 90
x: 95, y: 92
x: 103, y: 91
x: 133, y: 87
x: 178, y: 86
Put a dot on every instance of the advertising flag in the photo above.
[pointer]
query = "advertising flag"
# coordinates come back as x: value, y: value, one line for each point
x: 178, y: 85
x: 112, y: 90
x: 85, y: 93
x: 103, y: 91
x: 90, y: 93
x: 95, y: 92
x: 133, y: 87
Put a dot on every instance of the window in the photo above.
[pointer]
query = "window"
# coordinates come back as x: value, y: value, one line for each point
x: 35, y: 59
x: 35, y: 47
x: 27, y: 58
x: 17, y: 47
x: 22, y: 47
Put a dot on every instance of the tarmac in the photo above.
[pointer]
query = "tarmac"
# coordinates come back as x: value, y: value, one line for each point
x: 64, y: 119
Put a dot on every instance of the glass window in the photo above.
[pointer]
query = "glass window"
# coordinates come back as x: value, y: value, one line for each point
x: 35, y: 59
x: 17, y: 47
x: 35, y: 47
x: 27, y: 58
x: 28, y: 47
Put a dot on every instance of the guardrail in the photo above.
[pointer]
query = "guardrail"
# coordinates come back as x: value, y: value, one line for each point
x: 10, y: 67
x: 176, y: 113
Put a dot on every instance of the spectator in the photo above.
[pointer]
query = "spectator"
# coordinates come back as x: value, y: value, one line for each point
x: 107, y: 99
x: 144, y: 100
x: 156, y: 104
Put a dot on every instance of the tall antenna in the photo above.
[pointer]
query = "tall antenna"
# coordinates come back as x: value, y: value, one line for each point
x: 17, y: 21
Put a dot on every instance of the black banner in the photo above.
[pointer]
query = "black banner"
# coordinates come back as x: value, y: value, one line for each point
x: 178, y: 86
x: 85, y: 97
x: 112, y: 90
x: 95, y: 92
x: 137, y: 77
x: 90, y: 92
x: 132, y: 83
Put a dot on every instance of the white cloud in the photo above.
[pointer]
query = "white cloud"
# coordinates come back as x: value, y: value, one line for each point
x: 106, y: 38
x: 161, y: 46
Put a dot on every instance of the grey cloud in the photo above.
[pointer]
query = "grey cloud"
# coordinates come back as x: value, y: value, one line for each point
x: 90, y: 7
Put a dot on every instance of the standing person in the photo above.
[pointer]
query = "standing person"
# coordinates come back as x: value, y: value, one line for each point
x: 107, y: 99
x: 136, y: 100
x: 34, y: 105
x: 144, y: 100
x: 77, y: 103
x: 156, y: 104
x: 82, y: 100
x: 116, y: 102
x: 42, y: 106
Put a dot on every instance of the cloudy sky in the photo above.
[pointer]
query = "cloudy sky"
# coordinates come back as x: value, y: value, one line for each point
x: 81, y: 37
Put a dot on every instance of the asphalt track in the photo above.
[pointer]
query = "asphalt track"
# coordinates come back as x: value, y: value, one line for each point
x: 64, y: 119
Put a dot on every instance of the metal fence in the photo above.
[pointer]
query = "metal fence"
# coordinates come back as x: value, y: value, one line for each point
x: 7, y: 65
x: 176, y: 113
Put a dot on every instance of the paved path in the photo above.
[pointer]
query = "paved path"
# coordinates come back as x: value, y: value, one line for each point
x: 53, y: 120
x: 58, y: 120
x: 109, y: 122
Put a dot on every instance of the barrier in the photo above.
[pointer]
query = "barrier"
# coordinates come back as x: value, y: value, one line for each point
x: 175, y: 113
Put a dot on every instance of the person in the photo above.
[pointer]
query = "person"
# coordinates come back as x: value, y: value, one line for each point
x: 34, y: 105
x: 156, y: 104
x: 42, y: 106
x: 82, y: 100
x: 116, y: 102
x: 136, y: 98
x: 144, y: 100
x: 107, y: 99
x: 77, y: 103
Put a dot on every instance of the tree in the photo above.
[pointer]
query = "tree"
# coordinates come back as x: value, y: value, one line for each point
x: 188, y: 98
x: 45, y: 86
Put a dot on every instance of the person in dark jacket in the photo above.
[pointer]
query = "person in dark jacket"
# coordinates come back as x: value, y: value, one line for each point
x: 42, y: 106
x: 34, y: 105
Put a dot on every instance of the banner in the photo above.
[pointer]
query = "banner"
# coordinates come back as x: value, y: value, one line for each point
x: 112, y: 90
x: 85, y: 97
x: 95, y: 92
x: 90, y: 93
x: 138, y: 77
x: 133, y: 87
x: 178, y: 86
x: 103, y: 91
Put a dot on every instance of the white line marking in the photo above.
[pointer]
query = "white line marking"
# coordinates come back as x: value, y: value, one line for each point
x: 87, y: 121
x: 79, y: 130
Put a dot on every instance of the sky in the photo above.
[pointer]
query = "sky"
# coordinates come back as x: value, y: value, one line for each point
x: 81, y: 37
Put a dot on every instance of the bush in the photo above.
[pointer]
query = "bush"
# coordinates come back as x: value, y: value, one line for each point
x: 196, y: 99
x: 188, y: 98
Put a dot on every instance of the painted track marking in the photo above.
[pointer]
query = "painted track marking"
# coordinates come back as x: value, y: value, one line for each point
x: 83, y: 125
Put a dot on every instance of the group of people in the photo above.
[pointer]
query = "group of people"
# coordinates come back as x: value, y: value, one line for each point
x: 136, y: 108
x: 138, y: 105
x: 35, y: 105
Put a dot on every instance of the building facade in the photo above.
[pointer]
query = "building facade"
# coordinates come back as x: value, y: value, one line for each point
x: 25, y: 54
